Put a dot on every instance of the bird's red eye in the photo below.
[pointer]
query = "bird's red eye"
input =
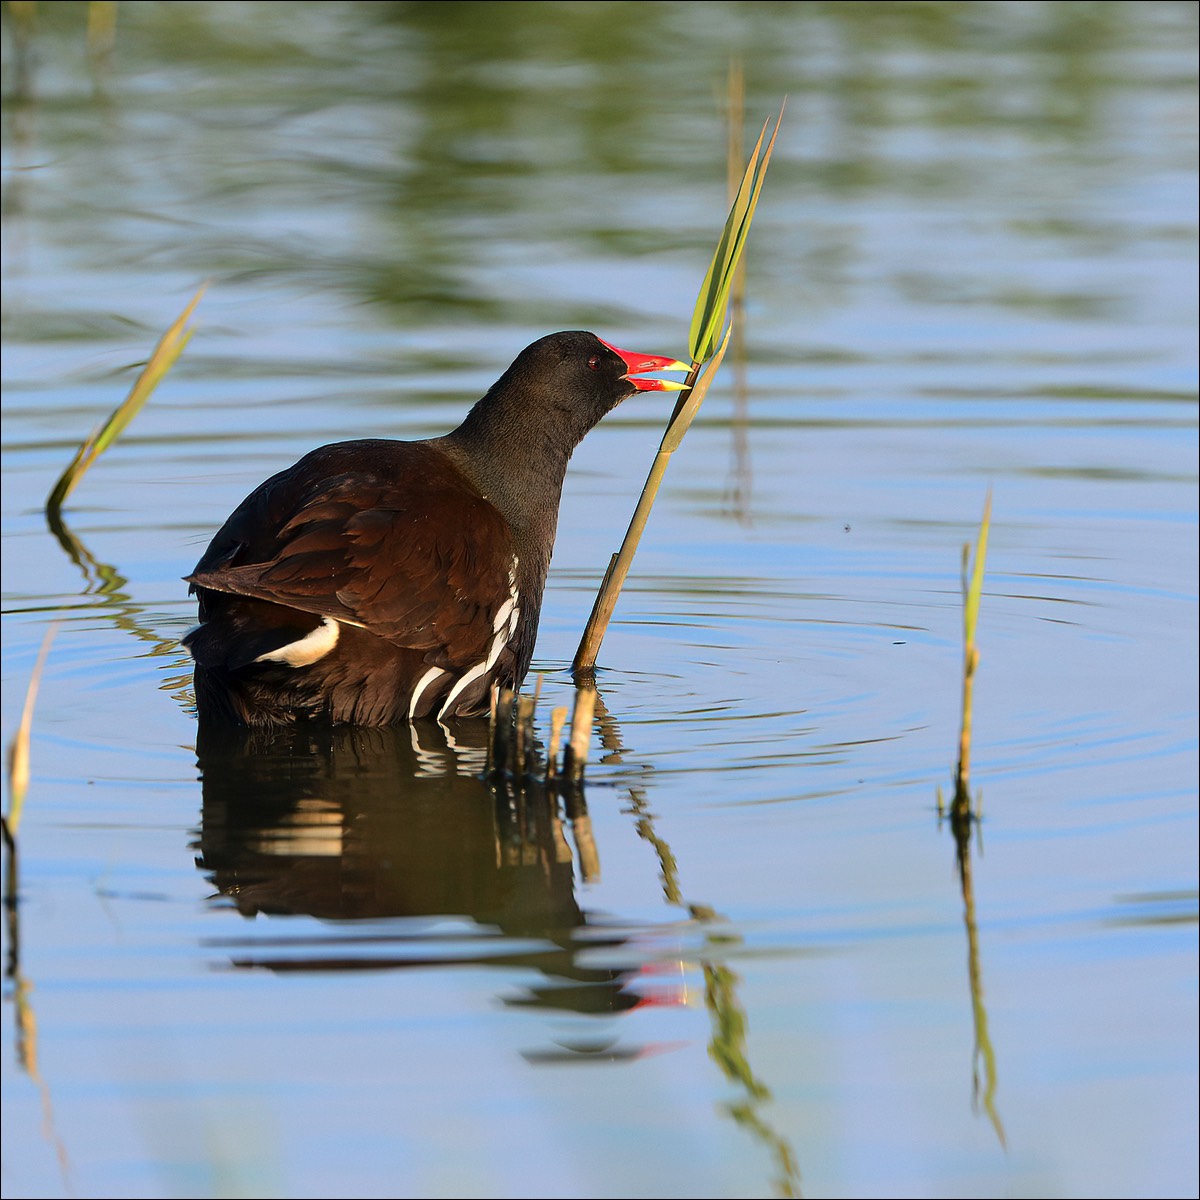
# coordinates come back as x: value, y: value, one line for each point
x: 593, y: 363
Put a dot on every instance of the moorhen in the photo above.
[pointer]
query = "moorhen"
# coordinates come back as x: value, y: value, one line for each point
x: 376, y: 582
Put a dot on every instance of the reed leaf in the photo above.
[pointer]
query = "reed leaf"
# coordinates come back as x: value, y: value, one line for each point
x: 170, y: 347
x: 689, y: 403
x: 973, y: 587
x: 709, y: 314
x: 972, y: 580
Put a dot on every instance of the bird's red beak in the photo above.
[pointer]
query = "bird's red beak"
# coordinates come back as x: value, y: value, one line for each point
x: 639, y: 364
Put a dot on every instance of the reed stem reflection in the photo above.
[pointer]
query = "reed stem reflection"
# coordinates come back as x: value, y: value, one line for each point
x: 729, y: 1022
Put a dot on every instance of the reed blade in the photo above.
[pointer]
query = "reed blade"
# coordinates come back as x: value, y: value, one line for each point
x: 713, y: 299
x: 973, y: 574
x: 973, y: 587
x: 170, y: 346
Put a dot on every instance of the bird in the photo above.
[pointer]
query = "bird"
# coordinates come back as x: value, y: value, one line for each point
x: 376, y: 582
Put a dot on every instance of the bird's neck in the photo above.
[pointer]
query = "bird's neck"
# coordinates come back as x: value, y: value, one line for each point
x: 518, y: 467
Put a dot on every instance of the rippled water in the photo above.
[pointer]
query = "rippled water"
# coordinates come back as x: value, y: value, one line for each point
x: 744, y: 963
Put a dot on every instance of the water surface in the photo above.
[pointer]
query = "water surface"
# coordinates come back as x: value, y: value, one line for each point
x: 746, y: 963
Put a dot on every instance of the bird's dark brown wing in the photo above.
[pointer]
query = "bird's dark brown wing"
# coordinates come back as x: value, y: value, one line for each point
x: 388, y: 536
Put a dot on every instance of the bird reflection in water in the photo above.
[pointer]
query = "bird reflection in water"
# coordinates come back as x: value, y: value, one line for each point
x: 370, y: 825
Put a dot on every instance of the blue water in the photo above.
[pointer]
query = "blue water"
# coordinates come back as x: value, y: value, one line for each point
x: 749, y: 967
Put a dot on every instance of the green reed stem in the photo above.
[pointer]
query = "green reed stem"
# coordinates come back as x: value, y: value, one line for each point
x: 707, y: 345
x: 972, y: 586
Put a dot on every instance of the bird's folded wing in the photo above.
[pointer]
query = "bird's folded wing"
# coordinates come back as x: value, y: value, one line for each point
x: 426, y: 576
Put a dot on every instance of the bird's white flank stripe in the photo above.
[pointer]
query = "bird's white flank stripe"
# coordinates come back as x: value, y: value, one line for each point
x: 308, y: 649
x: 425, y: 680
x: 473, y: 674
x: 503, y: 612
x: 504, y: 624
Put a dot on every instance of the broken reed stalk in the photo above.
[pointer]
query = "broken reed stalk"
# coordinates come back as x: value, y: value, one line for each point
x: 493, y: 701
x: 502, y: 741
x: 706, y: 343
x: 575, y: 756
x: 170, y: 347
x: 972, y: 587
x: 526, y: 706
x: 558, y: 718
x: 512, y: 739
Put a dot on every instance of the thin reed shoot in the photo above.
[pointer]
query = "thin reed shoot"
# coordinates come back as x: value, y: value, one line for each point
x: 972, y: 588
x: 170, y: 347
